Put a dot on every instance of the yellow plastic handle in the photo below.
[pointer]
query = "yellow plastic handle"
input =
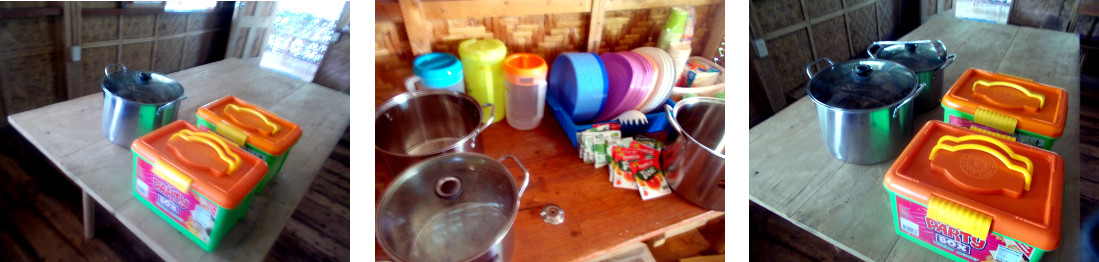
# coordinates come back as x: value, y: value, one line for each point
x: 214, y: 142
x: 172, y: 175
x: 274, y: 126
x: 963, y: 218
x: 1041, y: 98
x: 1025, y: 171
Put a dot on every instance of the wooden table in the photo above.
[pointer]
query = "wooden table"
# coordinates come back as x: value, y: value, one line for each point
x: 847, y: 205
x: 69, y: 134
x: 599, y: 219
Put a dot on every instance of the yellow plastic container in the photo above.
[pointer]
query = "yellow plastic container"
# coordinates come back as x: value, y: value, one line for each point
x: 482, y: 62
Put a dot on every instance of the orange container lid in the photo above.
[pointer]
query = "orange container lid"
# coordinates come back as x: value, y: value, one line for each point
x: 984, y: 177
x: 524, y: 65
x: 1039, y: 108
x: 264, y: 130
x: 191, y: 158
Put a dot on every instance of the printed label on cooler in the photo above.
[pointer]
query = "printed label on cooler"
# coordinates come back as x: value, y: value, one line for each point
x: 912, y: 220
x: 185, y: 208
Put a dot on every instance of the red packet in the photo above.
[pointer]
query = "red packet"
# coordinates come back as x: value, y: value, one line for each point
x: 623, y: 173
x: 650, y: 180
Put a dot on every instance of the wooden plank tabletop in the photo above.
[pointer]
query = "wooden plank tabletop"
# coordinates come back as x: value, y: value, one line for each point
x: 70, y: 135
x: 598, y: 217
x: 847, y: 205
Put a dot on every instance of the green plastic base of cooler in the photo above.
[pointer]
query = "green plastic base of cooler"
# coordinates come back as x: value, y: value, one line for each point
x: 1035, y: 256
x: 224, y: 220
x: 947, y: 112
x: 274, y: 163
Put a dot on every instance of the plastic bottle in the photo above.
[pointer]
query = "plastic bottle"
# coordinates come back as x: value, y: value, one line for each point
x: 526, y: 90
x: 482, y: 61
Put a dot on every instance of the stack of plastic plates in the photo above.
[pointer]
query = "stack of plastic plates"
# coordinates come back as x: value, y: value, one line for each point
x: 627, y: 72
x: 665, y: 79
x: 579, y: 83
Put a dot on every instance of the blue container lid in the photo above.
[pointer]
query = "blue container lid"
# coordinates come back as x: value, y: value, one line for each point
x: 438, y: 69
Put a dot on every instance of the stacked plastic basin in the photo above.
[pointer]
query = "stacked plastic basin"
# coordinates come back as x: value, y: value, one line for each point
x: 260, y: 132
x: 197, y: 181
x: 974, y: 197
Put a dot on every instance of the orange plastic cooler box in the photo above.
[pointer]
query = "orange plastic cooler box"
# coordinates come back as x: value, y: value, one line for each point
x: 972, y: 197
x: 195, y: 180
x: 260, y: 132
x: 1008, y: 106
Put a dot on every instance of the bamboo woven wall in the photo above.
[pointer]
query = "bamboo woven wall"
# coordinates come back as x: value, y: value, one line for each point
x: 30, y: 57
x: 146, y: 40
x: 545, y: 32
x: 1047, y: 14
x: 797, y: 32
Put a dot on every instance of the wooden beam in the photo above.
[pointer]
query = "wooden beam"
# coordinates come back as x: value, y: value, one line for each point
x: 496, y: 8
x: 29, y: 12
x: 418, y: 30
x: 619, y: 5
x: 143, y: 11
x: 595, y: 26
x: 716, y: 33
x: 387, y: 11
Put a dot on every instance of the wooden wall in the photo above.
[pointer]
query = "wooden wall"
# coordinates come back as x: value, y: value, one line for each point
x: 143, y: 38
x: 31, y: 44
x: 406, y: 28
x: 797, y: 32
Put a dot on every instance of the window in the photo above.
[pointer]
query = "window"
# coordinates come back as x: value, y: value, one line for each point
x: 189, y: 6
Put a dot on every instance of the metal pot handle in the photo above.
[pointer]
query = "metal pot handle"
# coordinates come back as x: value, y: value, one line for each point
x: 526, y: 174
x: 949, y: 60
x: 160, y: 109
x: 108, y: 73
x: 919, y: 89
x: 873, y: 49
x: 809, y: 67
x: 491, y: 116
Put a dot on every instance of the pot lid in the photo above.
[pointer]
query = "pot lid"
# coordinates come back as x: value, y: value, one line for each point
x: 923, y: 55
x: 453, y: 207
x: 141, y: 86
x: 862, y: 84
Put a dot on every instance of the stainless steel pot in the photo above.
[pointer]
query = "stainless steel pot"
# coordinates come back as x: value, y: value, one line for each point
x: 927, y: 58
x: 137, y: 102
x: 421, y: 124
x: 694, y: 157
x: 864, y: 108
x: 453, y: 207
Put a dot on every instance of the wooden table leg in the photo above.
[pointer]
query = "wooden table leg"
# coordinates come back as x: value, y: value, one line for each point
x: 89, y: 216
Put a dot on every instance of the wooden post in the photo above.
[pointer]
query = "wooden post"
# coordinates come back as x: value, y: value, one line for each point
x: 717, y: 33
x: 419, y: 32
x: 89, y: 216
x: 595, y: 29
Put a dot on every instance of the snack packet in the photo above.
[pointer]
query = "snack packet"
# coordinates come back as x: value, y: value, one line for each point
x: 621, y: 168
x: 599, y: 146
x: 650, y: 180
x: 621, y: 143
x: 652, y: 143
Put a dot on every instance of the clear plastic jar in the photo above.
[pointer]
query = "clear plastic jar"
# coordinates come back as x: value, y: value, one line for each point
x: 526, y: 90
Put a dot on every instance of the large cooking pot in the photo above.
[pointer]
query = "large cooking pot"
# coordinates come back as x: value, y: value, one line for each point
x: 137, y: 102
x: 694, y: 157
x: 453, y: 207
x: 421, y: 124
x: 864, y: 108
x: 926, y: 58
